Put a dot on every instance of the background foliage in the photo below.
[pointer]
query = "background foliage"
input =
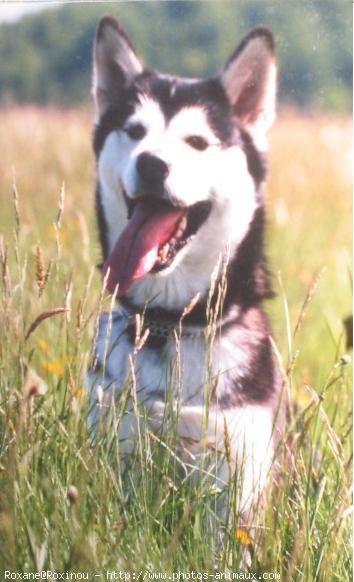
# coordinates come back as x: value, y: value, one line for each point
x: 46, y: 58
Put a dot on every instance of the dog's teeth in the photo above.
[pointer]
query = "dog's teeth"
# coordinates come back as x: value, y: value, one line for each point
x: 181, y: 227
x: 163, y: 252
x: 183, y: 223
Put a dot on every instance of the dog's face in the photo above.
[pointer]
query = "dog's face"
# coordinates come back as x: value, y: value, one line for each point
x: 179, y: 165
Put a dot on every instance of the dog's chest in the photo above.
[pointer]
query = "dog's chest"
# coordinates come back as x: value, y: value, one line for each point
x: 190, y: 373
x: 189, y: 367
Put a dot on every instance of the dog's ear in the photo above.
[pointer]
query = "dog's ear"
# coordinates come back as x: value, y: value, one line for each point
x: 115, y: 63
x: 250, y: 81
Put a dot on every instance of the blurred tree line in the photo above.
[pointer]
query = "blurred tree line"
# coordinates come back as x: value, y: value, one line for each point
x: 46, y: 58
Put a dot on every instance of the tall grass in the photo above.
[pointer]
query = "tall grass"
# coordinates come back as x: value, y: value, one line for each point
x: 65, y: 503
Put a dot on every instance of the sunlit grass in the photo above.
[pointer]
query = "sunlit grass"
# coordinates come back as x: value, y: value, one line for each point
x: 64, y: 502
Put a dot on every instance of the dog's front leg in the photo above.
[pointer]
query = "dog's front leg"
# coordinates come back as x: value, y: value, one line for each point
x: 233, y: 447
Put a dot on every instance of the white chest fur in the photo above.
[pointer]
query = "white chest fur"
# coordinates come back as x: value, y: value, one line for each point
x: 183, y: 373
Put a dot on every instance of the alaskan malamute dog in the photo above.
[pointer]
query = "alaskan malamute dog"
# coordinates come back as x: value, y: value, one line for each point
x: 180, y: 205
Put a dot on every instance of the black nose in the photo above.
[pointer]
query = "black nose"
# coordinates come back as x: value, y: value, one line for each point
x: 151, y: 169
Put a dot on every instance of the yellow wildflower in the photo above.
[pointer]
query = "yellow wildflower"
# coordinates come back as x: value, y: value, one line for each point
x: 43, y: 346
x: 55, y: 367
x: 243, y: 537
x: 79, y: 393
x: 52, y: 233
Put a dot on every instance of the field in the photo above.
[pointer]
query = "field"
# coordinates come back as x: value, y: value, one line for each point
x: 64, y: 504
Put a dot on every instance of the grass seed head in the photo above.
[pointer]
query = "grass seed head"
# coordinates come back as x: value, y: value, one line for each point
x: 72, y: 494
x: 34, y: 385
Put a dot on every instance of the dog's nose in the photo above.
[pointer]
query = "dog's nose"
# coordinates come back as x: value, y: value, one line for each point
x: 151, y: 169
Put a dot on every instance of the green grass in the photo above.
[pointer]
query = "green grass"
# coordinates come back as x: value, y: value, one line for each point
x: 154, y: 517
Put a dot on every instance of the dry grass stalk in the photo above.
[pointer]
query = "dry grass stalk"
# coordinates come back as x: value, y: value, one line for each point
x: 6, y: 280
x: 308, y: 298
x: 42, y: 273
x: 61, y: 206
x: 43, y: 316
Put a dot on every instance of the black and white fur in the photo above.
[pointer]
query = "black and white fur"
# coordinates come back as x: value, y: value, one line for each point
x: 141, y: 111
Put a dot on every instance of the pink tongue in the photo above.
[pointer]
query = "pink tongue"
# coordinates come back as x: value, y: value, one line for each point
x: 136, y: 250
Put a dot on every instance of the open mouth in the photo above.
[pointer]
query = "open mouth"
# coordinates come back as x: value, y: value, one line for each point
x: 155, y: 234
x: 191, y: 221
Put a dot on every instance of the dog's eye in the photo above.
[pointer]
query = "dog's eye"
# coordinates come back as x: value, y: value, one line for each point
x: 197, y: 142
x: 135, y: 131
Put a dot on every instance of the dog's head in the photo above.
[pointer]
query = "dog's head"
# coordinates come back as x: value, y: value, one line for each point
x: 179, y: 164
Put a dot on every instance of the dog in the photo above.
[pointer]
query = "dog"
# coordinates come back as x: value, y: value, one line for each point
x: 181, y: 167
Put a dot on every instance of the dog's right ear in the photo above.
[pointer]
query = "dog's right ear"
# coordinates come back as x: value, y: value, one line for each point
x: 115, y: 63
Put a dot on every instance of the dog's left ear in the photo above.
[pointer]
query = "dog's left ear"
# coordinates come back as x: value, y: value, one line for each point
x: 250, y: 81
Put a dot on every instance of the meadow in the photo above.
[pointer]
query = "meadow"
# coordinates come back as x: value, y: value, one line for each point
x: 64, y: 503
